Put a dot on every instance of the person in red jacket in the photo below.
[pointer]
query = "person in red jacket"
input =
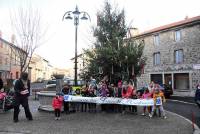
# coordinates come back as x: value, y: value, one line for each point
x: 57, y: 105
x: 131, y: 94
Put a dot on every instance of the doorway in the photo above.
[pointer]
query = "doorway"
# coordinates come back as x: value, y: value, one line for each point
x: 157, y: 78
x: 168, y: 80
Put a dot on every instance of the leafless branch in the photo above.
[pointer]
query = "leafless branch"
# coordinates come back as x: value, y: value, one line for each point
x: 27, y: 26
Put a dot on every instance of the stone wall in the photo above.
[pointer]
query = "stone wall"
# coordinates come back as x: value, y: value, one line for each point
x: 195, y: 78
x: 189, y: 43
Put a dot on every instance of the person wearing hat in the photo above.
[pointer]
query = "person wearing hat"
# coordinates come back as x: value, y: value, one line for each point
x: 158, y: 98
x: 57, y: 105
x: 21, y: 94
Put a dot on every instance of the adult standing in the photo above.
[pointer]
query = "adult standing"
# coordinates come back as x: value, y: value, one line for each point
x: 197, y: 95
x: 66, y: 91
x: 1, y: 83
x: 133, y: 96
x: 119, y: 94
x: 22, y: 92
x: 124, y: 92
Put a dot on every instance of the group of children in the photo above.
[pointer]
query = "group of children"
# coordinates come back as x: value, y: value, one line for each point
x: 121, y: 90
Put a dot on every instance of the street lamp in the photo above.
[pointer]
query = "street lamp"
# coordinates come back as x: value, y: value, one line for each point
x: 68, y: 16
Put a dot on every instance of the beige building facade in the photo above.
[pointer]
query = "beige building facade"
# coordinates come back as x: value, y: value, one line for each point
x: 173, y: 56
x: 40, y: 68
x: 80, y: 65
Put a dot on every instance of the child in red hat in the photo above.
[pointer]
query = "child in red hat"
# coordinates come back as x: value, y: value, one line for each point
x: 57, y: 105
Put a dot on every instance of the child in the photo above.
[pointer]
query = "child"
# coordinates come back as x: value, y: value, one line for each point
x: 104, y: 92
x: 146, y: 95
x: 57, y: 105
x: 158, y: 97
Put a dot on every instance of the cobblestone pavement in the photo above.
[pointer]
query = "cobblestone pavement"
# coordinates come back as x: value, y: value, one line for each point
x: 91, y: 123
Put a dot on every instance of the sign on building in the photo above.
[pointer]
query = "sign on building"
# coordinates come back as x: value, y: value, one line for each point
x: 196, y: 66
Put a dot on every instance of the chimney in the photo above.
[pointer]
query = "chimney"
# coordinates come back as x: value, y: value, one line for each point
x: 133, y: 32
x: 186, y: 17
x: 13, y: 39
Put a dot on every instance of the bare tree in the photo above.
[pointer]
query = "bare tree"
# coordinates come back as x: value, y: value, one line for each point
x: 26, y: 24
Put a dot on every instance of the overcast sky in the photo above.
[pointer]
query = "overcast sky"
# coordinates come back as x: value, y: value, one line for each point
x: 59, y: 47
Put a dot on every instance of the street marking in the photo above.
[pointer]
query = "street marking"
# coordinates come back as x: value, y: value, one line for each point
x: 183, y: 102
x: 195, y: 125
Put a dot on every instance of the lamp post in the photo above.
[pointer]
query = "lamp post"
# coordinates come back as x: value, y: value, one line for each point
x: 76, y: 14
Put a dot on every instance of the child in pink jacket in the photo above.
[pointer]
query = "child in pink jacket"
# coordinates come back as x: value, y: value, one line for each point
x: 146, y: 95
x: 57, y: 105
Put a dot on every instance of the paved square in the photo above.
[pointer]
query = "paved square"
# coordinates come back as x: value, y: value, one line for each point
x: 91, y: 123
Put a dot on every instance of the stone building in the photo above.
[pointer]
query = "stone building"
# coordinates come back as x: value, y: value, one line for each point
x: 9, y: 59
x: 173, y: 55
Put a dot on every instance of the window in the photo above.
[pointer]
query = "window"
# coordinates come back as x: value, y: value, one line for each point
x: 17, y: 75
x: 156, y: 58
x: 178, y: 56
x: 156, y: 40
x: 15, y: 60
x: 177, y: 35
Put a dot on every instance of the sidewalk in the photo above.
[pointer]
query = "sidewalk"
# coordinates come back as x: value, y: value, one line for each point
x: 91, y: 123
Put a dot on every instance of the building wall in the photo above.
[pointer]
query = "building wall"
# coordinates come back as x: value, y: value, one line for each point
x: 189, y: 43
x: 40, y: 68
x: 9, y: 62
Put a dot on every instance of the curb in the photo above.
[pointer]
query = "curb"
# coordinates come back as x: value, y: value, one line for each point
x: 196, y: 128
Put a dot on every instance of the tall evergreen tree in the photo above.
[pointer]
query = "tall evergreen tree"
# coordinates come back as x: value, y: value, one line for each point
x: 112, y: 54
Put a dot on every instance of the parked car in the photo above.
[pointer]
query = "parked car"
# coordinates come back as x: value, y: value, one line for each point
x: 72, y: 83
x: 51, y: 83
x: 165, y: 88
x: 168, y: 91
x: 39, y: 80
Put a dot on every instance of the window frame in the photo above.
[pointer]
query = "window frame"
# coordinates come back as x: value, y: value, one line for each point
x: 175, y: 35
x: 155, y: 58
x: 156, y: 39
x: 177, y: 59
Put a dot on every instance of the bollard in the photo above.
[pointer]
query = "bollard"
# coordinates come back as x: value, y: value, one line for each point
x: 193, y: 121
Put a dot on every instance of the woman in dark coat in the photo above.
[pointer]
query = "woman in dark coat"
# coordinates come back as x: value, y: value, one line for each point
x: 66, y: 91
x: 197, y: 95
x: 22, y: 91
x: 1, y: 83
